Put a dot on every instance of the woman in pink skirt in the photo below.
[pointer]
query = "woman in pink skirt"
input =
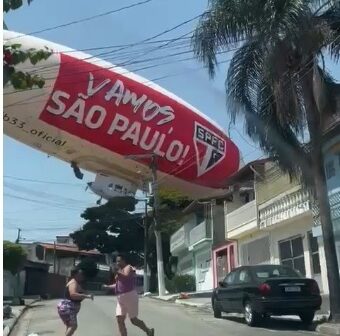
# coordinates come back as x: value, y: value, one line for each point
x: 127, y: 297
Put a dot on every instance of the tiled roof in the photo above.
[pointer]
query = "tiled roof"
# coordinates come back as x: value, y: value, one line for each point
x: 69, y: 248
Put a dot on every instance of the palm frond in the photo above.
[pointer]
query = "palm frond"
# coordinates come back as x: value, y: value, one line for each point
x: 228, y: 23
x: 280, y: 142
x: 244, y: 77
x: 329, y: 22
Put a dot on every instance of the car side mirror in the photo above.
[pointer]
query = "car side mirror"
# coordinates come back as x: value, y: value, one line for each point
x: 222, y: 284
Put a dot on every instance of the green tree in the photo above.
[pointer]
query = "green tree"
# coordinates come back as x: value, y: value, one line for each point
x: 14, y: 257
x: 115, y: 226
x: 112, y: 227
x: 14, y: 54
x: 278, y: 83
x: 89, y: 268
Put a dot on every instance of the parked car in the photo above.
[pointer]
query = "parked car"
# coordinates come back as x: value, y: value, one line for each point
x: 264, y: 290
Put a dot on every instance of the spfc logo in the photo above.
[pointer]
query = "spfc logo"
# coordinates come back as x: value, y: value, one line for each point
x: 210, y: 149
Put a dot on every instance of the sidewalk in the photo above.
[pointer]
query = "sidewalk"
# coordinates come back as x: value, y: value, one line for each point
x: 203, y: 301
x: 17, y: 311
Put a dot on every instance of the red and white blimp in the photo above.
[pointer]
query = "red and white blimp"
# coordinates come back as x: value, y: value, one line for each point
x: 97, y: 115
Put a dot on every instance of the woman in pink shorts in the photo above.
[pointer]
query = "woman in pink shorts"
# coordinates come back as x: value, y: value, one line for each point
x: 127, y: 297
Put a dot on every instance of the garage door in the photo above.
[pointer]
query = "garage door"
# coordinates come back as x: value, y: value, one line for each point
x: 255, y: 252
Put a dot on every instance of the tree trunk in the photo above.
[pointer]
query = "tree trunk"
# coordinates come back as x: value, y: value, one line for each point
x: 315, y: 128
x: 328, y: 238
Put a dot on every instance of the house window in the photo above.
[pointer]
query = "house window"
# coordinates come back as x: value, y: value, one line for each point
x: 292, y: 254
x: 330, y: 169
x: 314, y: 253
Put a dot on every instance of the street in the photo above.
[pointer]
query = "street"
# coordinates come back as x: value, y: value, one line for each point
x: 168, y: 319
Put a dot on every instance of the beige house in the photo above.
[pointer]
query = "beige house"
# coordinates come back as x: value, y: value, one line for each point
x: 285, y: 215
x: 275, y: 224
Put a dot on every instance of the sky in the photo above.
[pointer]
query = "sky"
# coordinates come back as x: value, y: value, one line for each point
x: 41, y: 195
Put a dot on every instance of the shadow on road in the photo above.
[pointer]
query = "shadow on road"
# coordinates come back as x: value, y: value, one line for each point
x: 276, y: 324
x: 46, y: 332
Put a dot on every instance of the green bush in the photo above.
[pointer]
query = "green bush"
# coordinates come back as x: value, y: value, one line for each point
x: 181, y: 283
x: 14, y: 257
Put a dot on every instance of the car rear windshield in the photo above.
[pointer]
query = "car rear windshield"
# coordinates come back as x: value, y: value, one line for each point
x: 266, y: 271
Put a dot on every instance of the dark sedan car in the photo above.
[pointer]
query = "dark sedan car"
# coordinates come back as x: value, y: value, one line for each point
x: 264, y: 290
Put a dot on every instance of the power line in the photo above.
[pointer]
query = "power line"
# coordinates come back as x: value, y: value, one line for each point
x: 244, y: 139
x: 45, y: 195
x: 97, y: 58
x: 29, y: 101
x: 85, y: 19
x: 54, y: 205
x: 117, y: 46
x: 147, y: 39
x: 42, y: 181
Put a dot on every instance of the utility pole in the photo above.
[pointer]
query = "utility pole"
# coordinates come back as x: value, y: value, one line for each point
x: 158, y: 235
x: 54, y: 257
x: 17, y: 241
x: 146, y: 241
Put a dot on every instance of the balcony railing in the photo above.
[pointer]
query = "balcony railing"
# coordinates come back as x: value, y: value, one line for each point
x: 242, y: 216
x: 178, y: 240
x: 287, y: 207
x: 200, y: 232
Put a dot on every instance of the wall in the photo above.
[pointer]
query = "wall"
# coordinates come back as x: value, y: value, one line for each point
x: 299, y: 227
x: 242, y: 259
x: 64, y: 265
x: 204, y: 268
x: 218, y: 224
x: 186, y: 263
x: 10, y: 284
x: 274, y: 183
x: 30, y: 250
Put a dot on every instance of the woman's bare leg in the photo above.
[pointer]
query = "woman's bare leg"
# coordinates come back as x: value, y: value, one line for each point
x: 141, y: 325
x: 121, y: 325
x: 70, y: 330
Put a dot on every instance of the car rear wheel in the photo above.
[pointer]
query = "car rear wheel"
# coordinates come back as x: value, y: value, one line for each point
x: 217, y: 310
x: 307, y: 317
x: 252, y: 317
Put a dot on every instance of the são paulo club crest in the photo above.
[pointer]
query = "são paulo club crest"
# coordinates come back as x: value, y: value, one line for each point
x: 210, y: 149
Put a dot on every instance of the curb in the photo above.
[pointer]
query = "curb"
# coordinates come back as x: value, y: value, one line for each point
x: 191, y: 304
x: 172, y: 298
x: 329, y: 329
x: 8, y: 329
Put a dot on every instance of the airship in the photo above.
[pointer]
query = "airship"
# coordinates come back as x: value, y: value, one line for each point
x: 104, y: 119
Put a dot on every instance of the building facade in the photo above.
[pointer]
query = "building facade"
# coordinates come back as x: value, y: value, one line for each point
x: 271, y: 221
x: 193, y: 243
x: 331, y: 149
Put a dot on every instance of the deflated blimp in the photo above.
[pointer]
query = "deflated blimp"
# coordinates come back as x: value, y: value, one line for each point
x: 96, y: 116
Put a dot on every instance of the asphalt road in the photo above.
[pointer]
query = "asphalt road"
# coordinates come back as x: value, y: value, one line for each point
x: 168, y: 319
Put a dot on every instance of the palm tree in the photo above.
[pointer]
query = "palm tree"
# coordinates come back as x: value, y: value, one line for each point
x: 278, y: 82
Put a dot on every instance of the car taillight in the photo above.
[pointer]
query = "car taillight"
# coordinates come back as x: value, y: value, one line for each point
x: 264, y: 289
x: 314, y: 288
